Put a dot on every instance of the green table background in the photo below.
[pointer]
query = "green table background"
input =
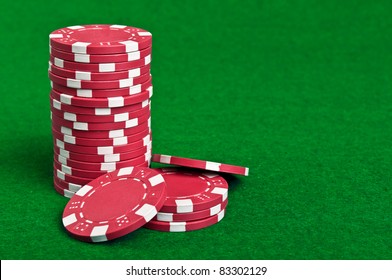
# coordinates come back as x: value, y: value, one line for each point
x: 299, y: 91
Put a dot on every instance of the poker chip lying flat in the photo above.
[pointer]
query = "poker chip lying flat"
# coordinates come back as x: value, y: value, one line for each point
x: 100, y: 39
x: 100, y: 67
x: 201, y: 164
x: 103, y: 158
x: 63, y: 191
x: 110, y: 102
x: 185, y: 217
x: 114, y: 204
x: 122, y: 117
x: 69, y: 178
x: 189, y: 191
x: 100, y: 126
x: 65, y: 185
x: 83, y: 84
x: 101, y: 58
x: 103, y: 93
x: 56, y: 104
x: 102, y: 134
x: 185, y: 226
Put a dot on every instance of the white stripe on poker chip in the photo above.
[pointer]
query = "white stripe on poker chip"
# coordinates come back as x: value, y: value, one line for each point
x: 108, y: 166
x: 103, y: 111
x: 116, y: 101
x: 145, y: 103
x: 184, y: 205
x: 75, y: 27
x: 56, y: 104
x: 246, y: 171
x: 130, y: 46
x: 116, y: 133
x: 55, y: 36
x: 215, y: 210
x: 72, y: 83
x: 74, y: 187
x: 146, y: 140
x: 69, y: 139
x: 64, y: 153
x: 70, y: 116
x: 80, y: 125
x: 165, y: 217
x: 105, y: 150
x: 69, y: 220
x: 120, y: 141
x: 114, y: 157
x: 84, y: 92
x: 221, y: 191
x: 214, y: 166
x: 118, y: 26
x: 177, y: 226
x: 147, y: 60
x: 134, y: 72
x: 60, y: 174
x: 65, y: 98
x: 80, y: 75
x: 165, y: 159
x: 68, y: 193
x: 85, y: 58
x: 126, y: 83
x: 80, y: 47
x: 131, y: 123
x: 59, y: 62
x: 135, y: 89
x: 59, y: 144
x: 144, y: 33
x: 133, y: 56
x: 221, y: 215
x: 107, y: 67
x: 147, y: 211
x: 121, y: 117
x: 66, y: 130
x: 85, y: 189
x: 62, y: 160
x: 66, y: 169
x: 98, y: 234
x: 156, y: 180
x: 125, y: 171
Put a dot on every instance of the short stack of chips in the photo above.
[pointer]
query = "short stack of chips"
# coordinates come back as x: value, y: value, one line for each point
x: 100, y: 102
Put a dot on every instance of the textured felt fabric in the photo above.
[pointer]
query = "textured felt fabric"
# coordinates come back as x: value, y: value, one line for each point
x: 299, y: 91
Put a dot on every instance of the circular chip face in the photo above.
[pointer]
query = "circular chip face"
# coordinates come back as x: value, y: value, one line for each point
x: 185, y: 217
x: 114, y: 204
x: 185, y: 226
x: 100, y: 67
x: 201, y: 164
x: 101, y: 58
x: 87, y: 126
x: 83, y: 84
x: 104, y: 158
x: 100, y: 39
x: 122, y: 117
x: 110, y: 102
x: 93, y: 76
x: 109, y: 134
x: 189, y: 191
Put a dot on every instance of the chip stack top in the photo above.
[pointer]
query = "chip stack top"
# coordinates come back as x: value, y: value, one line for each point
x: 100, y: 102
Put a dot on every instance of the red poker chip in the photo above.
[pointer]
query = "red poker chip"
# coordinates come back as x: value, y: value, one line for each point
x: 201, y: 164
x: 101, y: 58
x: 100, y: 39
x: 63, y: 191
x: 189, y: 191
x: 102, y: 134
x: 97, y: 111
x: 84, y: 173
x: 114, y: 204
x: 185, y: 226
x: 110, y: 102
x: 100, y: 142
x: 185, y: 217
x: 104, y: 166
x: 104, y: 158
x: 96, y: 76
x: 103, y: 150
x: 69, y: 178
x: 85, y: 126
x: 103, y: 93
x: 82, y: 84
x: 65, y: 185
x: 100, y: 67
x: 122, y: 117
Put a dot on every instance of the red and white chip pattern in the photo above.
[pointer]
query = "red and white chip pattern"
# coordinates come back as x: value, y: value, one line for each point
x: 100, y: 102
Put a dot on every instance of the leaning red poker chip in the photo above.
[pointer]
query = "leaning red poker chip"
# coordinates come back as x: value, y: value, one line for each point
x: 104, y: 134
x: 103, y: 150
x: 104, y: 158
x: 201, y: 164
x: 102, y: 58
x: 103, y: 93
x: 96, y: 76
x: 185, y: 226
x: 189, y: 191
x: 100, y: 67
x: 114, y: 204
x: 100, y: 126
x: 100, y: 39
x: 100, y: 142
x: 104, y: 166
x: 97, y: 111
x: 122, y: 117
x: 82, y: 84
x: 110, y: 102
x: 185, y: 217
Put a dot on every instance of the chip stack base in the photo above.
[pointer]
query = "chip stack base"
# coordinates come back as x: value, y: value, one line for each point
x: 100, y: 102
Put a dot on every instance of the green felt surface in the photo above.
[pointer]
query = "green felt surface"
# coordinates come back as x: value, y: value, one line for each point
x: 299, y: 91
